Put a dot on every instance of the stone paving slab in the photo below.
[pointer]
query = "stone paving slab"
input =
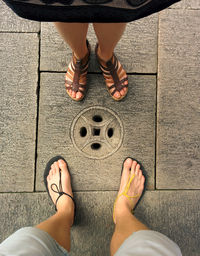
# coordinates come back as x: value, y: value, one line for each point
x: 10, y: 22
x: 174, y: 213
x: 185, y: 4
x: 137, y: 50
x: 178, y: 155
x: 18, y: 79
x: 57, y: 112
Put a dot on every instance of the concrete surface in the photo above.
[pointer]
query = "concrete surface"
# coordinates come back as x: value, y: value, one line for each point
x: 160, y: 117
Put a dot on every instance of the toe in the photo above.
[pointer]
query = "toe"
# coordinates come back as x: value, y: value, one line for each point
x: 125, y: 90
x: 66, y: 179
x: 133, y: 168
x: 125, y: 173
x: 128, y: 163
x: 137, y: 168
x: 56, y: 167
x: 70, y: 92
x: 122, y: 92
x: 78, y: 95
x: 73, y: 94
x: 117, y: 95
x: 51, y: 171
x: 140, y: 174
x: 62, y: 164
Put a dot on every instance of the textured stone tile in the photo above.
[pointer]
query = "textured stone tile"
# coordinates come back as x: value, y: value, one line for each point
x: 18, y: 79
x: 137, y: 49
x: 175, y: 214
x: 23, y: 209
x: 9, y: 21
x: 185, y: 4
x: 57, y: 112
x: 178, y: 155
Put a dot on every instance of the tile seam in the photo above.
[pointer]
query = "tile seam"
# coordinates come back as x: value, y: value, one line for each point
x: 37, y: 110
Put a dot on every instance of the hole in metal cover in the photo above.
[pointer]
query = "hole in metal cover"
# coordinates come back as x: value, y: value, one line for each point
x: 97, y: 118
x: 110, y: 132
x: 96, y: 132
x: 83, y: 131
x: 95, y: 146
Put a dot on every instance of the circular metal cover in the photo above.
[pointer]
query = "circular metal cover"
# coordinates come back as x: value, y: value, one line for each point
x: 97, y: 132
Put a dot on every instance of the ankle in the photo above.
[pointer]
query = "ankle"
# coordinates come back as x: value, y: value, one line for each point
x: 105, y: 56
x: 66, y: 214
x: 81, y: 53
x: 123, y: 214
x: 122, y: 209
x: 65, y: 205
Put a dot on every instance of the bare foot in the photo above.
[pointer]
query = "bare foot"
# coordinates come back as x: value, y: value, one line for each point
x: 64, y: 204
x: 130, y: 169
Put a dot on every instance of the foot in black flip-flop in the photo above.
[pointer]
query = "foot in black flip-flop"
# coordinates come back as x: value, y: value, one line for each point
x: 131, y: 188
x: 58, y: 183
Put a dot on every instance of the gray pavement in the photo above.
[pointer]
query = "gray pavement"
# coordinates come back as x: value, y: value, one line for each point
x: 157, y: 124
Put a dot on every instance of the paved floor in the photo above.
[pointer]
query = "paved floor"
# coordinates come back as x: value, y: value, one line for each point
x: 158, y: 124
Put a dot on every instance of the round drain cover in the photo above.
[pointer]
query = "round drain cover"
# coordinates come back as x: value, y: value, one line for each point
x: 97, y: 132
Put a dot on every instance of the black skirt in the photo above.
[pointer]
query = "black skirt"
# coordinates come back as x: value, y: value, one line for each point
x: 87, y: 10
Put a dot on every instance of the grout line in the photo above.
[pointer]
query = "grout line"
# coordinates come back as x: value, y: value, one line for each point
x: 101, y: 191
x: 155, y: 134
x: 184, y: 9
x: 19, y: 32
x: 37, y: 116
x: 156, y: 110
x: 97, y: 73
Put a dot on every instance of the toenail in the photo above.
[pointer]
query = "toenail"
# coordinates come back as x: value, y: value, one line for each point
x: 61, y: 162
x: 128, y: 160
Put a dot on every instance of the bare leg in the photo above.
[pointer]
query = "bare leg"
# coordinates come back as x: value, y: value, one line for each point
x: 108, y: 35
x: 74, y: 35
x: 125, y: 222
x: 58, y: 226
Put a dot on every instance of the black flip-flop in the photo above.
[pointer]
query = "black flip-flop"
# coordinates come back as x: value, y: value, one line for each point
x: 59, y: 189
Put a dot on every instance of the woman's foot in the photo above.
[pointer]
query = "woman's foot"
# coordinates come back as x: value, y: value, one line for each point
x: 131, y: 188
x: 76, y: 76
x: 59, y: 179
x: 115, y: 76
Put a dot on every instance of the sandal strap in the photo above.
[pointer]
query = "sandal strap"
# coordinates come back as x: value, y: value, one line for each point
x: 111, y: 69
x: 61, y: 194
x: 59, y: 191
x: 119, y: 87
x: 79, y: 69
x: 74, y: 87
x: 110, y: 65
